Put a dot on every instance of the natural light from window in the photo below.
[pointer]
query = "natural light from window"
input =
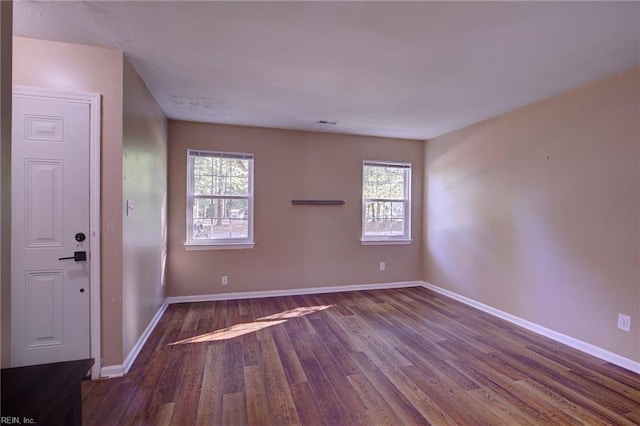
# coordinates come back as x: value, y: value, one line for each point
x: 220, y: 198
x: 238, y: 330
x: 386, y: 201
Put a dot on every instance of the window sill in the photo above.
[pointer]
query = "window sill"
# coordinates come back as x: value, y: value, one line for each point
x: 386, y: 242
x: 225, y: 246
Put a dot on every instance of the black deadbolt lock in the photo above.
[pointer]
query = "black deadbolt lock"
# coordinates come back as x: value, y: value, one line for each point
x: 80, y: 236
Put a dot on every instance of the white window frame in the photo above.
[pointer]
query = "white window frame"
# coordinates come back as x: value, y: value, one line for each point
x: 405, y: 238
x: 218, y: 243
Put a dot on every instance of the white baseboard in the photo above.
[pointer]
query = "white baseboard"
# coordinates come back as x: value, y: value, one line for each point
x: 558, y: 337
x: 120, y: 370
x: 112, y: 371
x: 292, y: 292
x: 133, y: 354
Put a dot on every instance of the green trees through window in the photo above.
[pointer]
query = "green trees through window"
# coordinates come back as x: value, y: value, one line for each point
x: 386, y: 200
x: 220, y: 197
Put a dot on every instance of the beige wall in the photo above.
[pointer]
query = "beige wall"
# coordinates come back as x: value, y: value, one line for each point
x: 296, y: 246
x: 536, y: 212
x: 75, y: 67
x: 144, y: 228
x: 6, y: 21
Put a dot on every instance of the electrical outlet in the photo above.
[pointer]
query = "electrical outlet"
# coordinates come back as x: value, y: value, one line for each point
x: 383, y: 266
x: 225, y: 280
x: 624, y: 322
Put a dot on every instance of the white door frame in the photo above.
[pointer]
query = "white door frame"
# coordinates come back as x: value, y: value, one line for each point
x: 93, y: 99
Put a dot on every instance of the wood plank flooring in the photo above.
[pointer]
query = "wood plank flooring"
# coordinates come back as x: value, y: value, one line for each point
x: 385, y: 357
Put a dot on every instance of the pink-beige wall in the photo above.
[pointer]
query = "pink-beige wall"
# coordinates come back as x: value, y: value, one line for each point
x: 536, y: 212
x: 6, y: 24
x: 296, y: 246
x: 74, y: 67
x: 144, y: 166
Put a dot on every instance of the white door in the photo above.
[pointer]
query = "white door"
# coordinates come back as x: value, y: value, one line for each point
x: 50, y: 213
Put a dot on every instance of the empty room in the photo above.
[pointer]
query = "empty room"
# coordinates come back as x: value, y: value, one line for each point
x: 320, y: 213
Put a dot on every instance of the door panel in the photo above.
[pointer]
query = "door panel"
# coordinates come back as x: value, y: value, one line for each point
x: 50, y: 204
x: 44, y: 128
x: 45, y: 304
x: 43, y: 203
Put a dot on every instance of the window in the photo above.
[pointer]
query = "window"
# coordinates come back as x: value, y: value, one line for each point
x: 386, y: 203
x: 219, y: 199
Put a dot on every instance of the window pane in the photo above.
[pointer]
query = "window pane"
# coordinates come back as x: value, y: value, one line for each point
x: 397, y: 210
x: 238, y: 209
x: 203, y: 185
x: 384, y: 227
x: 230, y: 177
x: 240, y: 228
x: 369, y: 182
x: 202, y: 165
x: 202, y: 208
x: 378, y: 209
x: 238, y: 185
x: 201, y: 228
x: 225, y: 218
x: 240, y: 168
x: 216, y: 166
x: 396, y: 183
x: 384, y: 182
x: 397, y: 226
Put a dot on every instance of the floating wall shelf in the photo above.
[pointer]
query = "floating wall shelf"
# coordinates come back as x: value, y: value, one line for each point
x: 317, y: 202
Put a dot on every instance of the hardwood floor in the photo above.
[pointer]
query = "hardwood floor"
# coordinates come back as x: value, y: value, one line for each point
x: 384, y: 357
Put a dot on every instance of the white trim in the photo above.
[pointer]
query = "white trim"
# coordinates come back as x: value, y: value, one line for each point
x: 580, y: 345
x: 133, y: 354
x: 398, y: 164
x: 215, y: 243
x: 387, y: 242
x: 94, y: 101
x: 94, y: 221
x: 407, y: 201
x: 120, y: 370
x: 292, y: 292
x: 112, y: 371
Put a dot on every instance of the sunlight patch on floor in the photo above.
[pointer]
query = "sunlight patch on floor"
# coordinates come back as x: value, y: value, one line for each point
x: 229, y: 332
x: 238, y: 330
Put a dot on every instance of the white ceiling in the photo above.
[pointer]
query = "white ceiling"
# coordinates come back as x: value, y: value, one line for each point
x: 399, y: 69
